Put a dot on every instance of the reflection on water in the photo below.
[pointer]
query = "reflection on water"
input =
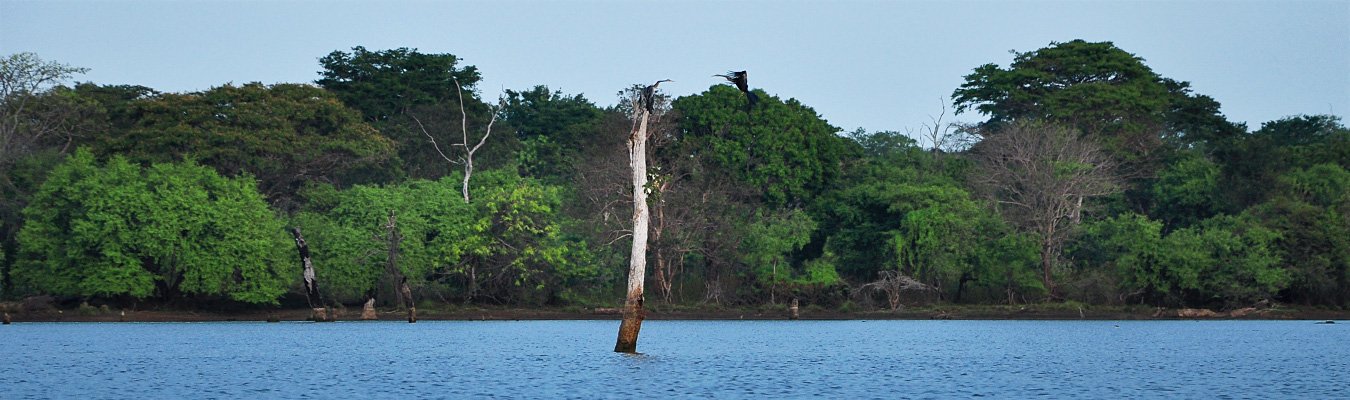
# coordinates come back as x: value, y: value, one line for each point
x: 572, y: 359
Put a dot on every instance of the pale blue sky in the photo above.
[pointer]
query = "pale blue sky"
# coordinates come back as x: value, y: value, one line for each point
x: 872, y: 64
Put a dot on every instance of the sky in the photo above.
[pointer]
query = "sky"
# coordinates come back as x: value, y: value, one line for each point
x: 877, y: 65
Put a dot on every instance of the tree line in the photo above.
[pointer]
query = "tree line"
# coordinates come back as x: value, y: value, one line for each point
x: 1090, y: 178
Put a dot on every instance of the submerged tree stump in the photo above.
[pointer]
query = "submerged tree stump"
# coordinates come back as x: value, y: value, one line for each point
x: 368, y: 311
x: 322, y: 314
x: 633, y: 313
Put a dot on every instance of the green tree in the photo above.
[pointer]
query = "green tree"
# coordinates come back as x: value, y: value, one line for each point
x: 1127, y: 247
x: 1093, y: 86
x: 1187, y: 191
x: 283, y: 134
x: 768, y: 244
x: 166, y: 231
x: 1226, y: 261
x: 507, y: 246
x: 386, y: 83
x: 1311, y: 214
x: 1105, y: 93
x: 938, y: 234
x: 783, y: 147
x: 551, y: 128
x: 408, y: 95
x: 1252, y: 163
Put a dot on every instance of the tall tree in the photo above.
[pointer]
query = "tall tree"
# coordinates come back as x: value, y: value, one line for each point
x: 388, y: 87
x: 385, y: 83
x: 1104, y: 92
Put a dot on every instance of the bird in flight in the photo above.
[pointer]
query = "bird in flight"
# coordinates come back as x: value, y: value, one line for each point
x: 739, y: 79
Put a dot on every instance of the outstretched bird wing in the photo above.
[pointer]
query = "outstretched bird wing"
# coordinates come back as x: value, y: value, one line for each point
x: 740, y: 79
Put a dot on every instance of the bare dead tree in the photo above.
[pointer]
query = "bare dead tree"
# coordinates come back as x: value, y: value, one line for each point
x: 894, y: 284
x: 633, y: 312
x: 23, y: 76
x: 947, y: 137
x: 466, y: 156
x: 1039, y: 176
x: 319, y: 310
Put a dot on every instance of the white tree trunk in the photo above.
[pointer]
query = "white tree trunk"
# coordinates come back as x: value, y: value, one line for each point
x: 637, y: 264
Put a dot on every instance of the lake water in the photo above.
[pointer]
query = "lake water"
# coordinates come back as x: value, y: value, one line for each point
x: 721, y: 359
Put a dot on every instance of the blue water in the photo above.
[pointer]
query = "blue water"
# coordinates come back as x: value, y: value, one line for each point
x: 722, y: 359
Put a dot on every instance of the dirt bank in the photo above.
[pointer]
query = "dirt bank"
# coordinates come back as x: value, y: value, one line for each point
x: 1057, y: 312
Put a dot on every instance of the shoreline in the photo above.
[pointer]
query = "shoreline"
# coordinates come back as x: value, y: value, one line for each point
x: 603, y: 314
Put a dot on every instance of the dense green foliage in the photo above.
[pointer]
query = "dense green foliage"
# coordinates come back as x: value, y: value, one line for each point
x: 117, y: 229
x: 506, y: 246
x: 188, y: 197
x: 285, y: 135
x: 383, y: 84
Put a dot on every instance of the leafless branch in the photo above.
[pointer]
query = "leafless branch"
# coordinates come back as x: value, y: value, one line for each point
x: 433, y: 139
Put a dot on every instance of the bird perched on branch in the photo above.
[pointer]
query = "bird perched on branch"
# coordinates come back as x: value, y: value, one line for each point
x: 649, y: 95
x: 739, y: 79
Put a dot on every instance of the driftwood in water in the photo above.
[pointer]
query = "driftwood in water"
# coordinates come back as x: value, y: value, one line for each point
x: 391, y: 267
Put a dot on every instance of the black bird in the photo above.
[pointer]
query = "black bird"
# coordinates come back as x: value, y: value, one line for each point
x: 739, y: 78
x: 649, y: 95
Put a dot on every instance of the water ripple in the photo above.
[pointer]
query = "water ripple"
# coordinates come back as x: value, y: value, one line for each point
x: 729, y: 359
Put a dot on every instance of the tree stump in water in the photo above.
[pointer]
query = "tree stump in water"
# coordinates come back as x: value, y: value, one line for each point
x: 318, y: 314
x: 633, y: 314
x: 368, y: 311
x: 637, y: 260
x: 792, y: 310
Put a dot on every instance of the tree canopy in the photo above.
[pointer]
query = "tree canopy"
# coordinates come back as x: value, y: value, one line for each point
x: 285, y: 135
x: 117, y: 229
x: 385, y: 83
